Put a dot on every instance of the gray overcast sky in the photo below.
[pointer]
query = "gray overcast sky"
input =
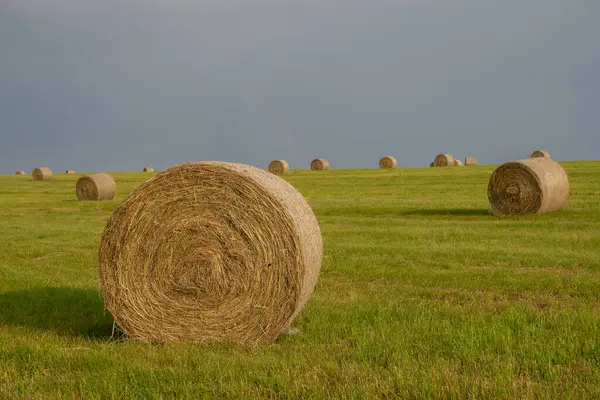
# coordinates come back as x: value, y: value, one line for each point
x: 106, y: 85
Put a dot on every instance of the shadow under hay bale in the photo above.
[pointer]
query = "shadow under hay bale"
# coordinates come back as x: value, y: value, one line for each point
x: 96, y: 187
x: 64, y: 310
x: 279, y: 167
x: 42, y: 174
x: 210, y: 252
x: 319, y: 164
x: 388, y: 162
x: 530, y: 186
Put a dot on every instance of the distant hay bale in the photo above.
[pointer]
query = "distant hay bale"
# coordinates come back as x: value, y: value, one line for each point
x: 470, y: 161
x: 444, y: 160
x: 70, y: 172
x: 458, y: 163
x: 388, y: 162
x: 20, y: 173
x: 432, y: 164
x: 540, y: 154
x: 319, y: 164
x: 42, y: 174
x: 279, y: 167
x: 209, y: 252
x: 96, y: 187
x: 530, y: 186
x: 148, y: 169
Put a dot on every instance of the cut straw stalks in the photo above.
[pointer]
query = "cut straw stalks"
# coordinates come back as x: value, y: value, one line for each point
x: 210, y: 252
x: 96, y: 187
x: 279, y: 167
x: 530, y: 186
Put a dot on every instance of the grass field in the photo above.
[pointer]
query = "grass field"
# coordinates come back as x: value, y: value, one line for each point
x: 422, y: 294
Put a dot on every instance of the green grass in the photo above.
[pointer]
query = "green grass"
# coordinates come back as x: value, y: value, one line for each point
x: 422, y: 294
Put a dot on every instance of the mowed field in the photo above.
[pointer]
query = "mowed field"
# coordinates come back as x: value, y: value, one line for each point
x: 422, y: 294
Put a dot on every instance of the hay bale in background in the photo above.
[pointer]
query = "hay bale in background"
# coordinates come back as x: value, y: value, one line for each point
x: 279, y: 167
x: 458, y: 163
x: 20, y: 173
x: 148, y: 169
x: 70, y: 172
x: 319, y: 164
x: 42, y: 174
x: 531, y: 186
x: 432, y: 164
x: 444, y: 160
x: 209, y: 252
x: 470, y: 161
x: 96, y: 187
x: 540, y: 154
x: 388, y: 162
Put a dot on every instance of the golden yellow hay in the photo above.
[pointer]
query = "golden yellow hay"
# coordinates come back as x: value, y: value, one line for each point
x: 210, y: 252
x: 470, y: 161
x: 42, y: 174
x: 96, y: 187
x: 388, y: 162
x: 444, y: 160
x: 279, y: 167
x: 540, y: 154
x: 319, y: 164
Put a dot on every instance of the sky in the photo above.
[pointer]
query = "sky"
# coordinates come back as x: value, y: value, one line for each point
x: 106, y: 85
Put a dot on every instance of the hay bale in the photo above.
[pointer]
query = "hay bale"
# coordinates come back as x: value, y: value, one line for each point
x: 530, y: 186
x: 432, y: 164
x: 540, y: 154
x: 70, y: 172
x: 20, y: 173
x: 96, y: 187
x: 42, y: 174
x: 388, y: 162
x: 319, y: 164
x: 471, y: 161
x: 148, y: 169
x: 458, y: 163
x: 209, y: 252
x: 279, y: 167
x: 444, y: 160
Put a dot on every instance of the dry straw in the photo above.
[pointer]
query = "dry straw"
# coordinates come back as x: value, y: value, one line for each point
x: 20, y: 173
x: 42, y: 174
x: 388, y: 162
x: 444, y: 160
x: 458, y: 163
x: 96, y: 187
x: 209, y: 252
x: 319, y: 164
x: 540, y: 154
x: 70, y: 172
x: 148, y: 169
x: 531, y: 186
x: 279, y: 167
x: 470, y: 161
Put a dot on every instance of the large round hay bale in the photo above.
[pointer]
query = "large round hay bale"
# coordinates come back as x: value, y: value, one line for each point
x: 70, y: 172
x: 20, y: 173
x: 540, y: 154
x: 470, y: 161
x: 279, y: 167
x: 444, y: 160
x: 388, y: 162
x: 209, y: 252
x: 148, y: 169
x: 458, y: 163
x: 96, y: 187
x: 531, y: 186
x: 42, y: 174
x: 319, y: 164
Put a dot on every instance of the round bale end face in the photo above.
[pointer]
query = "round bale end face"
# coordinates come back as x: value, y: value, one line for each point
x: 530, y: 186
x: 320, y: 164
x: 42, y: 174
x: 444, y: 160
x: 279, y: 167
x: 179, y: 263
x: 388, y: 162
x: 540, y: 154
x: 96, y: 187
